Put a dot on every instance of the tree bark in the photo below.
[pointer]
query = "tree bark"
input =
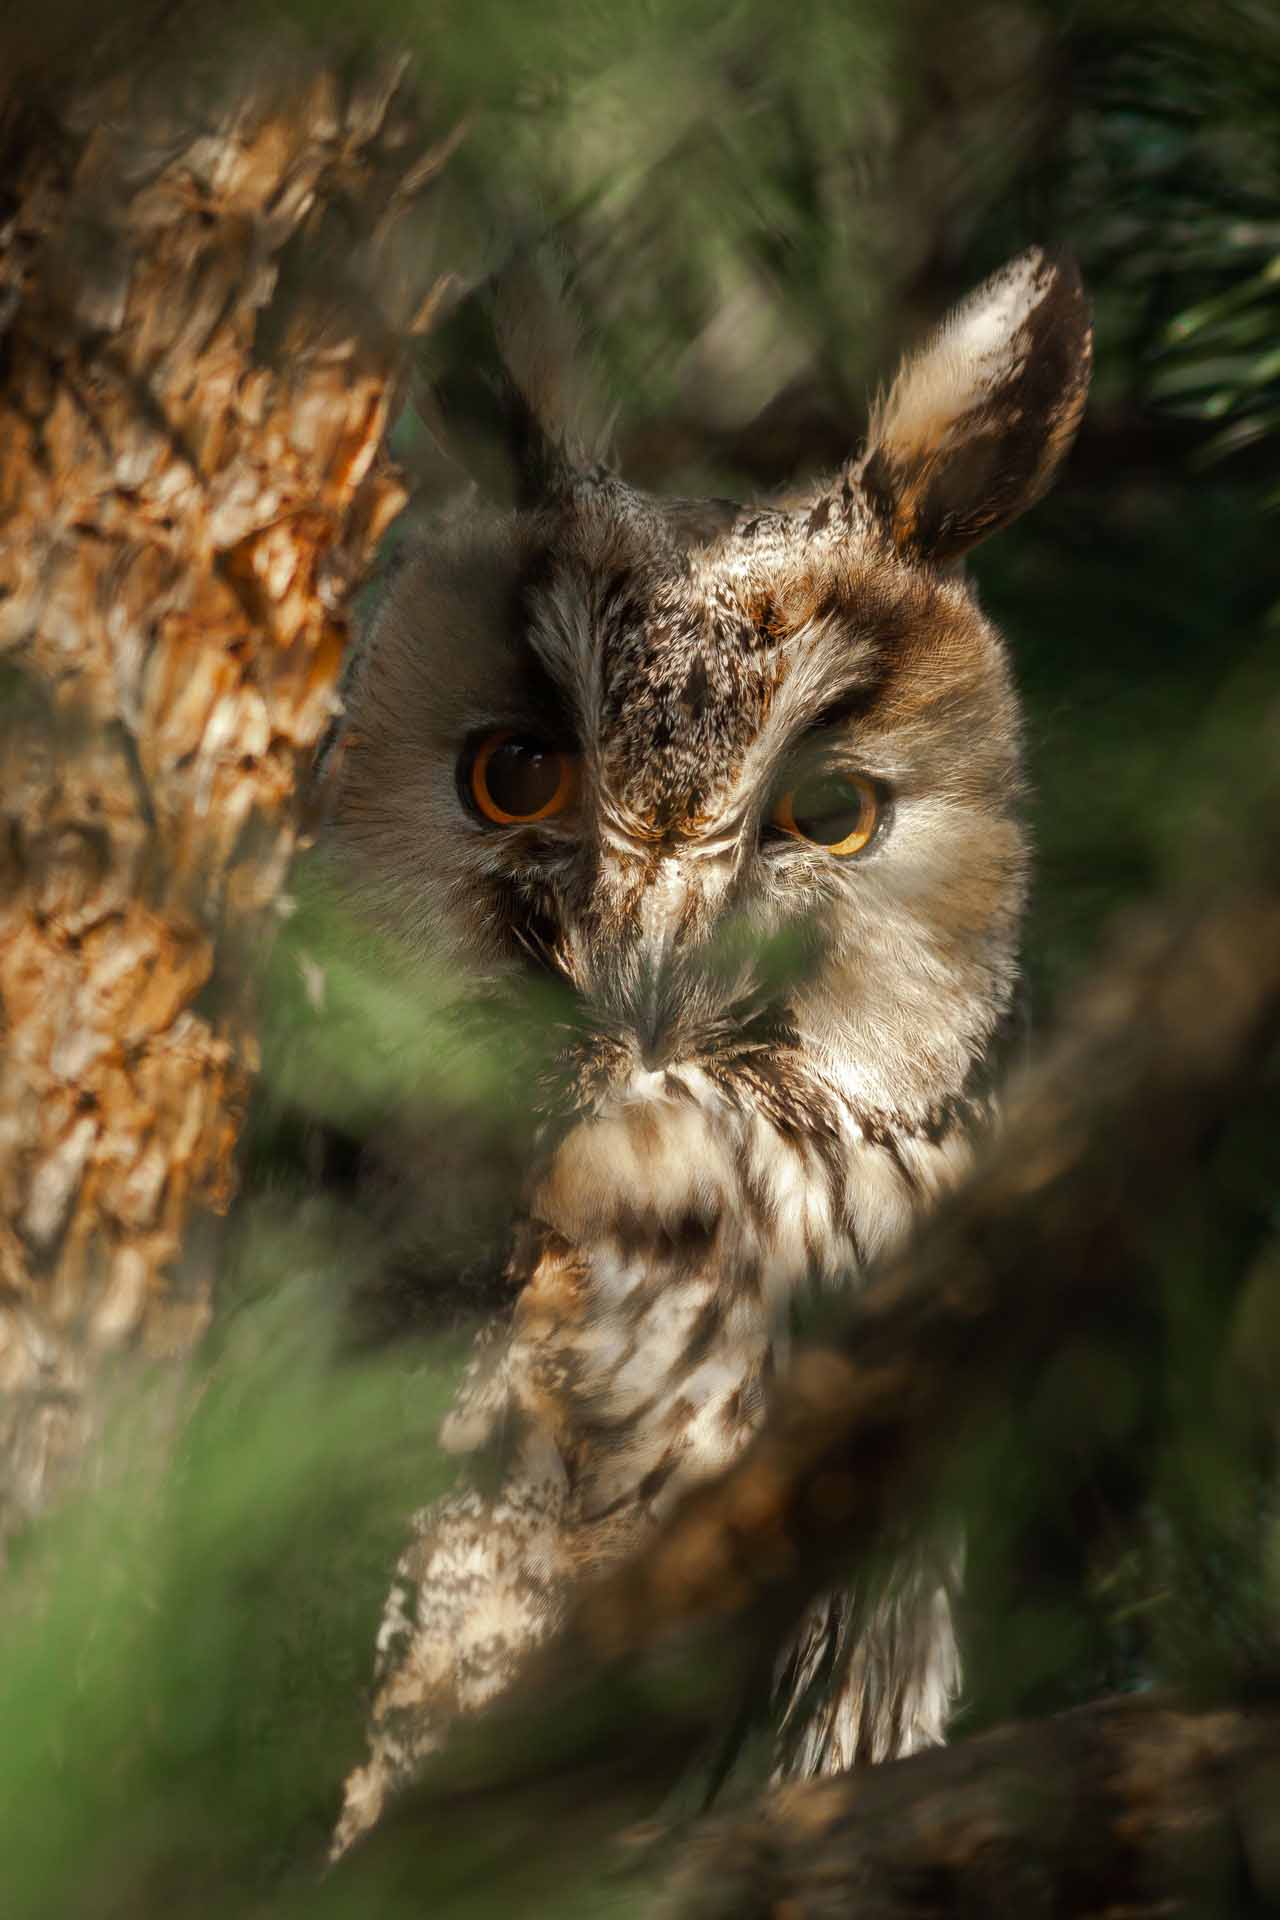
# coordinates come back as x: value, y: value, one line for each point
x: 1126, y: 1810
x: 209, y: 272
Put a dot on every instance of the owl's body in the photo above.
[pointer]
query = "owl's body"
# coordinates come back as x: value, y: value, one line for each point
x: 746, y: 782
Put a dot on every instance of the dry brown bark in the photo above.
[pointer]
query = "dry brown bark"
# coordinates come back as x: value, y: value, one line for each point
x: 1127, y: 1810
x: 209, y: 271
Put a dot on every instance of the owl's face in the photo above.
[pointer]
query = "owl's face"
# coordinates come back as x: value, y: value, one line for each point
x: 744, y: 779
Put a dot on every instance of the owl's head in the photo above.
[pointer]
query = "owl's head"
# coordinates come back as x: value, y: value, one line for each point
x: 745, y: 779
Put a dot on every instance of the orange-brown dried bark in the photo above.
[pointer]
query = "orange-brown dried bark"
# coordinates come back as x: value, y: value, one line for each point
x: 207, y: 278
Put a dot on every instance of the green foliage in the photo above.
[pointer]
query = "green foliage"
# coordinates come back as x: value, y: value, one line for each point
x: 186, y: 1648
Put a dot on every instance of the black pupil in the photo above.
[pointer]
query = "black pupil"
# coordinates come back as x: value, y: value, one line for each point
x: 522, y: 776
x: 828, y: 811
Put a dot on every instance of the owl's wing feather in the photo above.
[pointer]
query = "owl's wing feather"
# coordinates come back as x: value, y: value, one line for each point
x: 479, y: 1587
x: 634, y: 1366
x: 868, y: 1678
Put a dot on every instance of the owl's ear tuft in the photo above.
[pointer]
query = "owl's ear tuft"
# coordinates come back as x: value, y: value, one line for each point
x: 978, y: 421
x: 507, y: 394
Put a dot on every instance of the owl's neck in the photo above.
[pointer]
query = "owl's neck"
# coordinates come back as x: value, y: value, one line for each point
x: 656, y: 1261
x: 795, y: 1131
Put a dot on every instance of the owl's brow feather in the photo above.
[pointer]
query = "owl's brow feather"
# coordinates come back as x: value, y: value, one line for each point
x: 839, y: 680
x: 849, y: 637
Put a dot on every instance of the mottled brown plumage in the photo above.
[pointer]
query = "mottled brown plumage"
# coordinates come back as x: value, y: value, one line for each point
x: 780, y: 1051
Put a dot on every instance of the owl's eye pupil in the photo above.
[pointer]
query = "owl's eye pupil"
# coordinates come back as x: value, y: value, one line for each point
x: 827, y: 810
x: 514, y: 778
x: 522, y: 777
x: 836, y: 811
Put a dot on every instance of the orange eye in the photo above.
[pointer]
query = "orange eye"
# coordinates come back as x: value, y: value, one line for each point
x: 838, y: 811
x: 514, y: 778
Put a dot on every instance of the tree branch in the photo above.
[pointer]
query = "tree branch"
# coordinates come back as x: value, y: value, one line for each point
x: 863, y: 1441
x: 1127, y: 1807
x: 1173, y: 1034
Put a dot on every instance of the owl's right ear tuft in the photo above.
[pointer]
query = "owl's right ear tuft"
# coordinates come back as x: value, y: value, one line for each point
x: 978, y: 421
x: 507, y: 393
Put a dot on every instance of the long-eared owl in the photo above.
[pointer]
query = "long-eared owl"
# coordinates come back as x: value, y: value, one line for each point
x: 744, y: 782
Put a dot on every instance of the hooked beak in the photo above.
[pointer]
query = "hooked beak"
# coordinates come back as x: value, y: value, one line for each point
x: 664, y: 916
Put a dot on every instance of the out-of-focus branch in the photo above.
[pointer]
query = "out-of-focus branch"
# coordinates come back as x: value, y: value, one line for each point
x: 1176, y: 1030
x: 1127, y: 1807
x: 1176, y: 1027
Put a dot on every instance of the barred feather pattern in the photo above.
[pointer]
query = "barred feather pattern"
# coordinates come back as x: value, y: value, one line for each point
x: 655, y: 1270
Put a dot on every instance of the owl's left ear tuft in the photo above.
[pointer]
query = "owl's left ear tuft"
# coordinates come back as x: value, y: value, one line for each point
x: 978, y: 420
